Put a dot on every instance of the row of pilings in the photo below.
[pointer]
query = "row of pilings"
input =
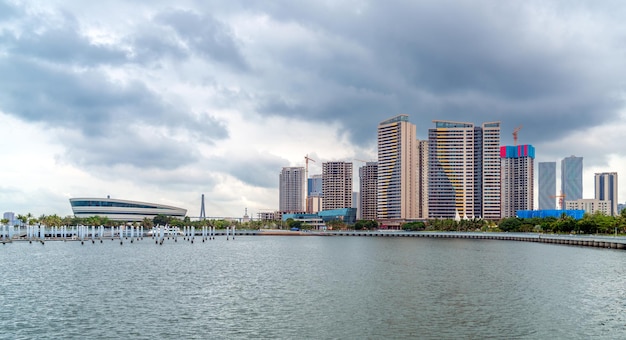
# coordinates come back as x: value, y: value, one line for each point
x: 584, y: 241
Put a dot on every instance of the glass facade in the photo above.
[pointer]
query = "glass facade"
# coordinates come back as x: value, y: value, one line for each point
x: 572, y: 178
x: 547, y: 185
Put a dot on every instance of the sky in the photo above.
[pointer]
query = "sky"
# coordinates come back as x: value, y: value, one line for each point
x: 163, y: 101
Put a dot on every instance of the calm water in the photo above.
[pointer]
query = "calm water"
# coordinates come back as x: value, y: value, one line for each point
x: 311, y: 287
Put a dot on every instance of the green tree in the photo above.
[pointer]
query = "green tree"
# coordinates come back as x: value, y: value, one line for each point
x: 510, y: 224
x: 161, y: 219
x: 147, y: 223
x: 414, y: 226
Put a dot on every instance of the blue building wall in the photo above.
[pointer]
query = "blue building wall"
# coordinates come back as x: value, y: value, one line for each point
x: 575, y: 214
x: 347, y: 215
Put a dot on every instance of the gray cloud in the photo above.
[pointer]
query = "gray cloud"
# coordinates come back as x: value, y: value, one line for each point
x: 205, y: 35
x: 253, y: 168
x: 122, y: 147
x: 478, y: 61
x: 356, y: 64
x: 63, y: 45
x: 7, y: 11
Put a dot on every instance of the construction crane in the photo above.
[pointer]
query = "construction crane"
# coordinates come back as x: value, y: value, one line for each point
x: 306, y: 180
x: 561, y: 198
x: 306, y: 162
x: 515, y: 132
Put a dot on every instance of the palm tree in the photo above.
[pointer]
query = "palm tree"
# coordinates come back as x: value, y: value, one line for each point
x: 22, y: 218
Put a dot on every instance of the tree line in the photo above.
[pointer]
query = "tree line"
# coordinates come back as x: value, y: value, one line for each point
x: 596, y: 223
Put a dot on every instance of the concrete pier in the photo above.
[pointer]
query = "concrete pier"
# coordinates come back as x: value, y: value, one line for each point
x: 608, y: 242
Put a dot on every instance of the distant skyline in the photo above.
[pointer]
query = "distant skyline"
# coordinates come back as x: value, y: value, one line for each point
x: 163, y: 102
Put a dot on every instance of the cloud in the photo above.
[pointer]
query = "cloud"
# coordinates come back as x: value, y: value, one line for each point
x: 204, y: 35
x: 471, y: 62
x: 156, y: 101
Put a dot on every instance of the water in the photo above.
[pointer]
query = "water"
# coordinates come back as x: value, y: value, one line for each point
x: 311, y: 287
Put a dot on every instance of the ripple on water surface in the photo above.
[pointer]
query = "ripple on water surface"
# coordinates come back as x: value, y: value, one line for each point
x: 311, y: 287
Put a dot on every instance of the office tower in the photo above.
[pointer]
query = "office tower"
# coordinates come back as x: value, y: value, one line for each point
x: 368, y: 182
x: 517, y: 178
x: 336, y: 185
x: 547, y: 185
x: 292, y: 195
x: 315, y: 185
x: 464, y: 170
x: 397, y: 159
x: 572, y: 178
x: 422, y: 179
x: 606, y: 190
x: 10, y: 216
x: 314, y: 195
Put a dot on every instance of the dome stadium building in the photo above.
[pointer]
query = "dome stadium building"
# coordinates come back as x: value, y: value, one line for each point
x: 122, y: 210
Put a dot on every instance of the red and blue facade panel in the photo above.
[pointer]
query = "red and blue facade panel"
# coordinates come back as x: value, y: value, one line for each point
x: 517, y: 151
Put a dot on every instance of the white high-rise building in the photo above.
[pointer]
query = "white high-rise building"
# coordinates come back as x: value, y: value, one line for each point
x: 464, y: 170
x: 336, y: 185
x: 397, y: 173
x: 292, y: 191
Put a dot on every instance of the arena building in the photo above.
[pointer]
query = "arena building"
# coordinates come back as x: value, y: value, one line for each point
x: 122, y: 210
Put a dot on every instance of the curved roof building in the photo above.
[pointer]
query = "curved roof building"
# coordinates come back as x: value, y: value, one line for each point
x: 122, y: 210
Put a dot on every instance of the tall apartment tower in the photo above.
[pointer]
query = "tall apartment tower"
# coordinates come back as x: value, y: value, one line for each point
x: 368, y: 178
x: 606, y: 189
x: 517, y: 178
x: 572, y: 178
x: 292, y: 194
x: 336, y: 185
x: 464, y: 170
x: 547, y: 185
x: 422, y: 179
x: 397, y: 173
x: 490, y: 173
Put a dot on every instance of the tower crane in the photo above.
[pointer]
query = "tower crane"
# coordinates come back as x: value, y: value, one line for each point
x: 515, y: 132
x: 306, y: 180
x: 306, y: 162
x: 561, y: 198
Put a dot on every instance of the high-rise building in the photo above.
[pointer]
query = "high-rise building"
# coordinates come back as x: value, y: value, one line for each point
x: 547, y: 185
x: 314, y: 187
x: 517, y: 178
x: 490, y: 153
x: 314, y: 195
x: 9, y: 216
x: 606, y: 190
x: 422, y: 179
x: 397, y: 173
x: 368, y: 180
x: 464, y: 170
x: 336, y: 185
x: 292, y: 194
x: 572, y: 178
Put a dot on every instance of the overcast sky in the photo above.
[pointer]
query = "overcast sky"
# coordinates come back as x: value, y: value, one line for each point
x: 164, y: 101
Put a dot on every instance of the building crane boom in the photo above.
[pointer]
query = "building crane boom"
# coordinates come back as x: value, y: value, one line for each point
x: 515, y: 132
x: 561, y: 198
x: 306, y: 162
